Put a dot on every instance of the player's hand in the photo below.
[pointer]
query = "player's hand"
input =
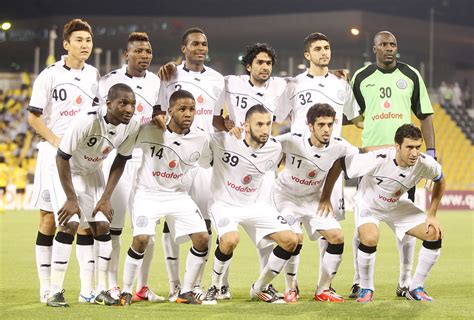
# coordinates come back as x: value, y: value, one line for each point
x: 160, y: 121
x: 429, y: 185
x: 105, y: 207
x: 167, y: 71
x: 325, y: 209
x: 432, y: 222
x: 70, y: 208
x: 229, y: 124
x: 341, y: 74
x: 236, y: 132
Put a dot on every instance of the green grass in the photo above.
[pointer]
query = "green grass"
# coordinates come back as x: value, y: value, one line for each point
x: 451, y: 282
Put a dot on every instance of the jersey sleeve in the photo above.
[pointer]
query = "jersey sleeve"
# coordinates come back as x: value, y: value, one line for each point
x: 219, y: 106
x: 206, y: 155
x: 162, y: 100
x: 103, y: 88
x: 420, y: 100
x: 75, y: 136
x: 351, y: 108
x: 284, y: 140
x: 284, y: 105
x: 361, y: 164
x: 41, y: 95
x: 349, y: 149
x: 125, y: 149
x: 432, y: 169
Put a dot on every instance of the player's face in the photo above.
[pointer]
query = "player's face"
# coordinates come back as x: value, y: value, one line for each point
x: 139, y: 55
x: 258, y: 127
x: 408, y: 152
x: 196, y: 48
x: 385, y: 49
x: 321, y: 130
x: 319, y: 53
x: 182, y: 113
x: 79, y: 46
x: 121, y: 109
x: 261, y: 68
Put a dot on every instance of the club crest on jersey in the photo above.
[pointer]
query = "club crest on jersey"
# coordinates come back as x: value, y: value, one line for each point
x: 223, y: 222
x: 365, y: 213
x: 312, y: 174
x: 398, y: 193
x: 386, y: 104
x: 269, y: 165
x: 106, y: 150
x: 195, y: 156
x: 341, y: 95
x: 172, y: 164
x: 200, y: 99
x: 402, y: 84
x: 79, y: 100
x: 291, y: 220
x: 139, y: 107
x: 247, y: 179
x: 45, y: 195
x: 141, y: 221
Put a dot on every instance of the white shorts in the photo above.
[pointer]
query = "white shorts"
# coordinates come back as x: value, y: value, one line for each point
x: 181, y: 213
x: 198, y: 185
x: 403, y: 217
x: 41, y: 197
x: 122, y: 195
x: 297, y: 211
x: 258, y: 220
x: 337, y: 199
x: 89, y: 188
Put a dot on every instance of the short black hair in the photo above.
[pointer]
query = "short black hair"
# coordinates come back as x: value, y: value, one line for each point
x: 407, y: 131
x: 253, y: 50
x: 180, y: 94
x: 320, y: 110
x: 184, y: 39
x: 312, y: 37
x: 258, y: 108
x: 138, y: 36
x: 75, y: 25
x: 116, y: 89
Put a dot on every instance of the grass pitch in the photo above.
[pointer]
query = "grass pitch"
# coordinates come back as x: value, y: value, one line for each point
x: 451, y: 282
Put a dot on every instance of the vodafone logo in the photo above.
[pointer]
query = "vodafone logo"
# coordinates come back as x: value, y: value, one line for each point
x: 390, y: 200
x: 246, y: 179
x: 139, y: 108
x: 203, y: 111
x: 69, y: 113
x: 311, y: 174
x: 200, y: 99
x: 79, y: 100
x: 172, y: 164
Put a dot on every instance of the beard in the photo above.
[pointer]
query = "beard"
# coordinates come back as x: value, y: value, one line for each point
x: 259, y: 139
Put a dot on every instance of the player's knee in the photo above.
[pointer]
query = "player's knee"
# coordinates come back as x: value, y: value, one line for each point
x: 432, y: 235
x: 101, y: 228
x: 228, y: 243
x: 200, y: 241
x: 370, y: 240
x: 289, y: 242
x: 140, y: 243
x: 335, y: 237
x: 47, y: 223
x: 300, y: 238
x: 71, y: 228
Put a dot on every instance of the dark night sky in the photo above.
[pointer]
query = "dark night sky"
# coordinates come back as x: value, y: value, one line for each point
x: 450, y: 11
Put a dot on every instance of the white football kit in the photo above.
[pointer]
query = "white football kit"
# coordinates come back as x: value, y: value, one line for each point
x: 206, y: 86
x: 305, y: 90
x: 160, y: 191
x: 299, y: 186
x: 381, y: 194
x: 59, y: 95
x: 237, y: 177
x: 88, y: 142
x: 146, y: 91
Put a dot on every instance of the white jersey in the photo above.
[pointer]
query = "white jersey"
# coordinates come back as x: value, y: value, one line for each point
x: 383, y: 181
x: 307, y: 166
x: 240, y: 95
x: 168, y: 156
x: 146, y: 90
x: 305, y: 90
x: 206, y: 87
x: 238, y: 169
x: 90, y: 140
x: 60, y: 93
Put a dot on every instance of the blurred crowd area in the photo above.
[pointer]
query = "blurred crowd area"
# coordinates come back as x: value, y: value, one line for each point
x: 455, y: 95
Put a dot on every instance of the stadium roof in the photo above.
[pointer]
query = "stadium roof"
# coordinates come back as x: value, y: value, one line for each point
x: 449, y: 11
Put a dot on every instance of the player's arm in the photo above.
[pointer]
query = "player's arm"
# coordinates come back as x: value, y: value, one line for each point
x: 427, y: 131
x: 35, y: 121
x: 219, y: 123
x: 71, y: 206
x: 167, y: 71
x: 325, y: 207
x: 438, y: 191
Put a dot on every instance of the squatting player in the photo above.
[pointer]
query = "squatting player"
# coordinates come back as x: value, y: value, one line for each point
x: 60, y: 93
x: 78, y: 184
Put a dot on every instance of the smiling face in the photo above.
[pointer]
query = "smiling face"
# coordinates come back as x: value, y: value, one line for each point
x: 260, y: 69
x: 385, y: 49
x: 196, y: 48
x: 79, y: 46
x: 138, y: 55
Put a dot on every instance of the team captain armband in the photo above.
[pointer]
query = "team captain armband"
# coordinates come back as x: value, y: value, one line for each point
x: 63, y: 155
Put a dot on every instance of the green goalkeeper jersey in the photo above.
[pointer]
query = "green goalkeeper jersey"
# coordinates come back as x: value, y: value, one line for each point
x: 387, y: 98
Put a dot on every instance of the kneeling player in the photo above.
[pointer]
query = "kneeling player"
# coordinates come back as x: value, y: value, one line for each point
x: 79, y: 159
x: 168, y: 155
x: 387, y: 174
x: 309, y: 156
x: 239, y: 166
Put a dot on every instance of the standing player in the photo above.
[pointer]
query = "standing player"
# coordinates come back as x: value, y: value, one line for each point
x: 317, y: 85
x: 386, y: 176
x: 60, y: 93
x: 206, y: 85
x: 79, y: 159
x: 146, y: 86
x: 242, y: 92
x: 388, y: 91
x: 309, y: 156
x: 239, y: 166
x: 168, y: 155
